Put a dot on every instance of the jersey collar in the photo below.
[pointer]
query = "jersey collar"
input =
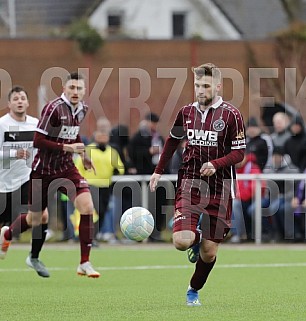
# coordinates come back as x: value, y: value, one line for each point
x: 215, y: 105
x: 74, y: 110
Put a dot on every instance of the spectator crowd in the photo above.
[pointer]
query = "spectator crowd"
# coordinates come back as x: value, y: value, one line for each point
x: 282, y: 150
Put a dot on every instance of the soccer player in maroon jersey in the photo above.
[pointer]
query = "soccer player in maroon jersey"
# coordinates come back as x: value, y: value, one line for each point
x: 57, y: 139
x: 205, y: 186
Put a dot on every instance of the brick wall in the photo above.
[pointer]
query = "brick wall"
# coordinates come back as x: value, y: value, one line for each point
x: 30, y: 62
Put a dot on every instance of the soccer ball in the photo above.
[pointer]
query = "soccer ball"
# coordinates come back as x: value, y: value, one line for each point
x: 137, y: 223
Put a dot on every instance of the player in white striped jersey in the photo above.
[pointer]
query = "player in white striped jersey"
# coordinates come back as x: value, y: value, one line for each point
x: 16, y: 155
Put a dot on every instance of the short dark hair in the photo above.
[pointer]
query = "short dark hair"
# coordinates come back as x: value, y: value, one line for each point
x: 207, y: 69
x: 75, y: 76
x: 16, y: 89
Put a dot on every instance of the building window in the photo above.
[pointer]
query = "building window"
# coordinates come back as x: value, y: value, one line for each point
x: 178, y: 24
x: 114, y: 23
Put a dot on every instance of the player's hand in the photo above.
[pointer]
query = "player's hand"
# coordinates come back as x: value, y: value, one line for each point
x: 23, y: 153
x: 88, y: 164
x: 77, y: 148
x: 207, y: 169
x: 153, y: 181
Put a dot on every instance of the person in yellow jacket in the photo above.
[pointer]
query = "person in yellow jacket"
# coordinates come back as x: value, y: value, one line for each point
x: 107, y: 162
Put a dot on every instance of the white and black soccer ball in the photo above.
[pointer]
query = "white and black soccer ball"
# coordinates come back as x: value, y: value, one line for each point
x: 137, y: 223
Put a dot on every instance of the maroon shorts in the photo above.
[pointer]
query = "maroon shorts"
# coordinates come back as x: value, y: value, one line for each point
x: 190, y: 203
x: 42, y: 188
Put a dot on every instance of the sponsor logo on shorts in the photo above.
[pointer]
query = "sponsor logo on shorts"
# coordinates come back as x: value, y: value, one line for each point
x: 178, y: 216
x: 177, y: 213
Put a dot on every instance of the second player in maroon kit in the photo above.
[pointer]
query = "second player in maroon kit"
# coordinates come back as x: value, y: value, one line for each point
x: 57, y: 139
x: 206, y: 178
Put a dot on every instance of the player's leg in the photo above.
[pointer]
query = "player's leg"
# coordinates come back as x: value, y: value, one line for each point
x: 5, y: 218
x: 8, y: 213
x: 22, y: 223
x: 193, y: 251
x: 183, y: 240
x: 15, y: 202
x: 188, y: 239
x: 215, y: 227
x: 83, y: 202
x: 185, y: 219
x: 189, y: 205
x: 77, y: 189
x: 204, y: 265
x: 39, y: 233
x: 39, y: 219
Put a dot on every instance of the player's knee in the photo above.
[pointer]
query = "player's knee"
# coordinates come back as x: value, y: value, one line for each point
x: 36, y: 220
x: 208, y: 255
x: 84, y: 203
x: 180, y: 242
x: 181, y: 245
x: 45, y: 217
x: 86, y: 207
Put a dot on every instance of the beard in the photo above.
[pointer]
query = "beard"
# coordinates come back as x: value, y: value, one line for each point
x: 205, y: 101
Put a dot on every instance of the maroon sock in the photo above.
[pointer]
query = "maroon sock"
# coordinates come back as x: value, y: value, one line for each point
x: 86, y: 229
x: 201, y: 273
x: 17, y: 227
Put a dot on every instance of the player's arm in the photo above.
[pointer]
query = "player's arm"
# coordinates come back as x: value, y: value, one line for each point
x: 231, y: 159
x: 50, y: 119
x: 41, y: 142
x: 87, y: 163
x: 234, y: 157
x: 86, y: 159
x: 5, y: 154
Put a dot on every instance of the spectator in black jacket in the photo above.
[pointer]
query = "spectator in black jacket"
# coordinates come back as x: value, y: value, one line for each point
x: 281, y: 194
x: 144, y: 150
x: 146, y: 145
x: 258, y: 143
x: 295, y: 146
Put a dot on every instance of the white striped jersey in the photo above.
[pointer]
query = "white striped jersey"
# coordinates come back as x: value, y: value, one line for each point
x: 15, y: 135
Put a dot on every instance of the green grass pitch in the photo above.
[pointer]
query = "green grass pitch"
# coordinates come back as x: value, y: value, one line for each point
x: 148, y: 283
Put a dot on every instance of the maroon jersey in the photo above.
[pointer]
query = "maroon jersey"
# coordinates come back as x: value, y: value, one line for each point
x: 212, y: 135
x: 60, y: 123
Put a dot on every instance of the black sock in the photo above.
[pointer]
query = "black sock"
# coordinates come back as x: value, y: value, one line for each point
x: 38, y: 239
x: 201, y: 273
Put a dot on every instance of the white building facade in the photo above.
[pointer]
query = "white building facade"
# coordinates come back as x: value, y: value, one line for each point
x: 163, y: 20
